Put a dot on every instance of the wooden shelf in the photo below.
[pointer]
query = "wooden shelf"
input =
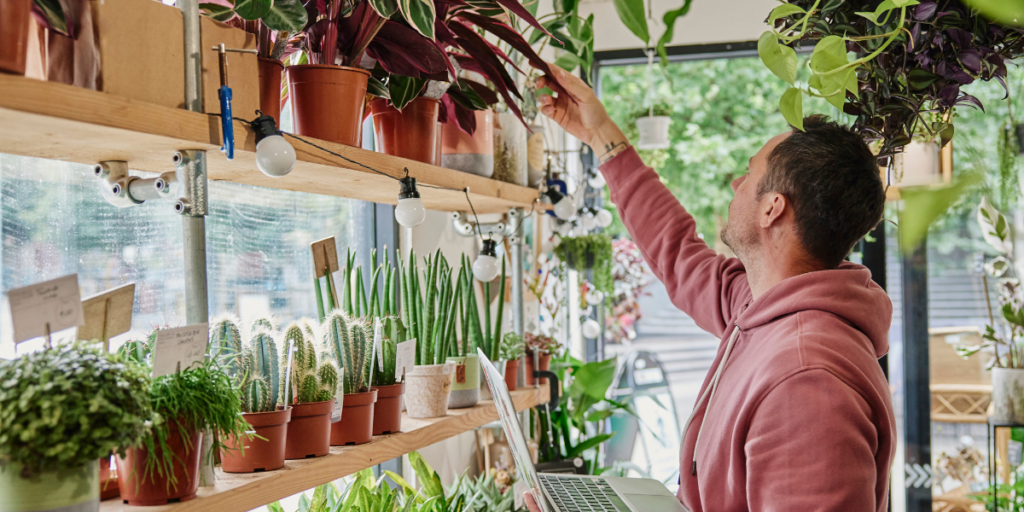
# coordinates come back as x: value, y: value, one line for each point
x: 246, y: 491
x: 61, y: 122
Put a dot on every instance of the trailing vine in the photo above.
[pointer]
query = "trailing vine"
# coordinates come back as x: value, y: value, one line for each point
x: 592, y: 251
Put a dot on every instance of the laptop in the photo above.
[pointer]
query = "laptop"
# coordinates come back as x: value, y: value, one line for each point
x: 573, y: 493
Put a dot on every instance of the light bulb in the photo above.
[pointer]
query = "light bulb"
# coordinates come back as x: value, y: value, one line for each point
x: 275, y: 157
x: 564, y: 207
x: 485, y: 268
x: 591, y: 329
x: 603, y: 218
x: 587, y: 220
x: 594, y: 296
x: 597, y: 181
x: 410, y: 211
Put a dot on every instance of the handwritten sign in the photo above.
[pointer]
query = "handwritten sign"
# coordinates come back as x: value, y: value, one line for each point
x: 405, y: 358
x: 182, y: 345
x: 46, y: 307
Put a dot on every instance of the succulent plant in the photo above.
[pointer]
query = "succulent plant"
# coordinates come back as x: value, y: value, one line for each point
x: 261, y: 373
x: 225, y: 342
x: 347, y: 342
x: 316, y: 378
x: 264, y: 322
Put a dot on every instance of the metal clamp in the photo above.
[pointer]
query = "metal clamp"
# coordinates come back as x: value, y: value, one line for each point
x: 122, y: 190
x: 504, y: 228
x: 191, y: 175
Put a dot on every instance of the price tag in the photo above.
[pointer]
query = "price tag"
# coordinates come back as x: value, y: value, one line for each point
x: 378, y: 343
x: 46, y: 307
x: 518, y: 489
x: 405, y: 358
x: 184, y: 346
x: 288, y: 383
x: 336, y: 413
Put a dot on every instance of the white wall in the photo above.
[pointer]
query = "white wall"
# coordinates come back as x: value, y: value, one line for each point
x: 709, y: 21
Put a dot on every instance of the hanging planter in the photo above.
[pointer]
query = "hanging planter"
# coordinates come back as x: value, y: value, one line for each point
x: 466, y: 382
x: 410, y: 133
x: 653, y: 132
x: 15, y: 18
x: 1008, y: 394
x: 589, y: 252
x: 920, y: 164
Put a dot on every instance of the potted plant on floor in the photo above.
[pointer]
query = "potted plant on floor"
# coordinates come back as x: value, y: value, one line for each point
x: 347, y: 342
x: 273, y: 23
x: 62, y: 410
x: 512, y: 349
x: 259, y: 376
x: 429, y: 311
x: 542, y: 348
x: 311, y: 391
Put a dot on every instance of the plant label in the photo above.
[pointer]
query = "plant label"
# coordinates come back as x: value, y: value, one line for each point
x: 44, y: 308
x: 107, y: 314
x: 378, y: 343
x: 336, y: 413
x: 405, y: 358
x: 179, y: 348
x: 518, y: 489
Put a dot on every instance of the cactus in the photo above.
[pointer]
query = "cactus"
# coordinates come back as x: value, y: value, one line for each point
x: 316, y: 378
x: 266, y: 367
x: 327, y: 377
x: 226, y: 342
x: 348, y: 343
x: 394, y: 332
x: 264, y: 322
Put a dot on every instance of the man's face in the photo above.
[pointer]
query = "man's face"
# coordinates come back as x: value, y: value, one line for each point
x: 742, y: 231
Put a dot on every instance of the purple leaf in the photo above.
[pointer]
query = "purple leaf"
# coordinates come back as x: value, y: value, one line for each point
x: 971, y: 60
x: 518, y: 9
x: 925, y: 10
x: 402, y: 50
x: 960, y: 36
x: 967, y: 99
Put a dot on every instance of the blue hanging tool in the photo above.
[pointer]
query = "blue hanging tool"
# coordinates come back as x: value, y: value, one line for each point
x: 224, y: 93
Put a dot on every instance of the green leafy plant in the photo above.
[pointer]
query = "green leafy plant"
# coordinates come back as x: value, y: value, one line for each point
x: 315, y: 377
x: 260, y: 375
x: 394, y: 332
x: 592, y: 251
x: 429, y: 309
x: 272, y: 21
x: 542, y: 344
x: 347, y: 343
x: 69, y: 405
x: 512, y: 346
x: 485, y: 493
x: 487, y: 336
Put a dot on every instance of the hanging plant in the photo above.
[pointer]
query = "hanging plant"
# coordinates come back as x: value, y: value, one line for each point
x: 913, y: 57
x: 589, y: 252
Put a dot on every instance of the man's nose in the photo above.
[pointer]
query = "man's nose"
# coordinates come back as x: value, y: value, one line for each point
x: 736, y: 182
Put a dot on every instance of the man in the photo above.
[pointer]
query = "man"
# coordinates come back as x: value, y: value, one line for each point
x: 795, y: 414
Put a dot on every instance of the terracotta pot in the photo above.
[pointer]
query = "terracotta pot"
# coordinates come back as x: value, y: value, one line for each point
x: 473, y: 154
x: 108, y: 481
x: 265, y: 454
x: 511, y: 374
x: 328, y: 101
x: 14, y: 30
x: 387, y: 411
x: 356, y: 425
x: 545, y: 365
x: 410, y: 133
x: 140, y: 488
x: 309, y: 432
x: 270, y: 88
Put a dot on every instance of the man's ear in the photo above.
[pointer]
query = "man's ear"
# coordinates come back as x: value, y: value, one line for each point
x: 773, y: 207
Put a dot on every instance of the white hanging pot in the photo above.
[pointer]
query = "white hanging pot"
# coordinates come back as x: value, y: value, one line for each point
x: 653, y: 132
x: 1008, y: 394
x: 916, y: 166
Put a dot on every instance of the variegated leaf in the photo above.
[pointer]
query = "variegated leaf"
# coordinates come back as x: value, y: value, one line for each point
x: 420, y: 15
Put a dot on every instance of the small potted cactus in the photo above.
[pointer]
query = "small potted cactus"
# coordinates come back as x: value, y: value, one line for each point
x: 387, y: 411
x: 348, y: 343
x: 312, y: 389
x: 259, y: 375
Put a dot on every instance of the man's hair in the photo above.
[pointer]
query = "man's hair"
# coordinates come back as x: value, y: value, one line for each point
x: 831, y: 178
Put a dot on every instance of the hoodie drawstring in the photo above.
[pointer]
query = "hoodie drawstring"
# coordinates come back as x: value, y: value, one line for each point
x: 709, y: 393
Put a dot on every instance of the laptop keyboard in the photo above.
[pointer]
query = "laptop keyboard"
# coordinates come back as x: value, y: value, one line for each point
x: 571, y: 494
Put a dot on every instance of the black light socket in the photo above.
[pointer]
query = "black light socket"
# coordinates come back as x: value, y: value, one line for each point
x: 408, y: 188
x: 264, y: 126
x: 555, y: 195
x: 490, y: 248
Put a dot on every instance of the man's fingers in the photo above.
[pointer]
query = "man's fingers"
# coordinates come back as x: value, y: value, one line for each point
x: 530, y: 502
x: 571, y: 83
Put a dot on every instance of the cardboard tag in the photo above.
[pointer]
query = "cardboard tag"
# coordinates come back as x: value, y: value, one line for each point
x: 460, y: 374
x: 336, y: 413
x: 107, y: 314
x: 179, y: 348
x: 288, y: 384
x: 378, y: 343
x: 45, y: 307
x: 405, y: 358
x: 518, y: 489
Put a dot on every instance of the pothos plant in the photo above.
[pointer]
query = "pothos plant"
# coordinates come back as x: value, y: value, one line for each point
x: 592, y: 251
x: 911, y: 59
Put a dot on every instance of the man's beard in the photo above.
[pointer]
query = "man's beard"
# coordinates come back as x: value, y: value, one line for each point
x: 735, y: 239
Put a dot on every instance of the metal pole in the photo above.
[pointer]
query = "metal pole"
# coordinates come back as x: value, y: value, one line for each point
x: 516, y: 255
x: 917, y: 394
x: 193, y: 57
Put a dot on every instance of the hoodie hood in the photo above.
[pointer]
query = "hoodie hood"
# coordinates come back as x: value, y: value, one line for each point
x: 847, y: 292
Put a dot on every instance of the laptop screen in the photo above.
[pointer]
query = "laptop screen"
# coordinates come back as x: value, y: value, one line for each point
x: 510, y: 423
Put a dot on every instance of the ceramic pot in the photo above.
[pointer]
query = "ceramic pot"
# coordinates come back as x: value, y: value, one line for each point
x: 917, y: 165
x: 1008, y: 394
x: 387, y: 411
x: 328, y: 102
x: 511, y: 374
x: 466, y: 382
x: 510, y: 151
x: 108, y: 481
x: 67, y: 490
x: 14, y: 31
x: 473, y: 154
x: 265, y: 454
x: 309, y: 432
x: 653, y: 132
x: 410, y: 133
x: 545, y: 365
x: 270, y: 88
x: 429, y: 386
x: 356, y: 425
x: 535, y: 157
x: 141, y: 488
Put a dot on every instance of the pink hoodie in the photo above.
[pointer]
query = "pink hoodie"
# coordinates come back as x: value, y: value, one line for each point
x: 800, y: 417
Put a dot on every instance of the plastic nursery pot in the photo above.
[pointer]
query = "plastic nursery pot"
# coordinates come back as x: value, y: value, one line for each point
x: 328, y: 101
x: 429, y: 386
x: 410, y: 133
x: 545, y: 365
x: 70, y: 490
x: 470, y: 153
x: 108, y: 481
x: 387, y: 410
x: 14, y: 31
x: 511, y: 374
x: 265, y: 454
x: 139, y: 487
x: 270, y: 88
x: 465, y: 383
x: 356, y: 425
x: 309, y: 432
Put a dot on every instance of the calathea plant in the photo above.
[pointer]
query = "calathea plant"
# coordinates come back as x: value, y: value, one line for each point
x: 315, y: 378
x: 272, y: 21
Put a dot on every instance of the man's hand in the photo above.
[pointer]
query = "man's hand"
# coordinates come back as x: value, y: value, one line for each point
x: 530, y: 502
x: 585, y: 118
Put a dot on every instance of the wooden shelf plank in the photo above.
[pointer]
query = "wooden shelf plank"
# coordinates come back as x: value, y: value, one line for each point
x: 243, y: 492
x: 60, y: 122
